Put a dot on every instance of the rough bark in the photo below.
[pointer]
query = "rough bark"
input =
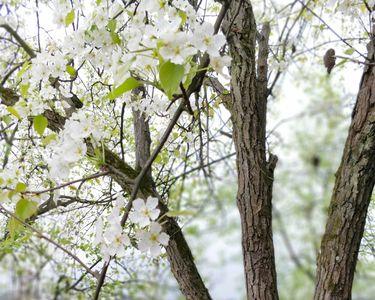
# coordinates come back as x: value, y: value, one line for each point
x: 351, y: 196
x: 255, y: 173
x: 141, y: 135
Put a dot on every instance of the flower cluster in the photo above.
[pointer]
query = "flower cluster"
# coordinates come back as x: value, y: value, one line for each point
x: 145, y: 214
x: 112, y: 239
x: 71, y: 146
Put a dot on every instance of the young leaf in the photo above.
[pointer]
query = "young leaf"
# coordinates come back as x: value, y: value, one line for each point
x: 49, y: 138
x: 111, y: 25
x: 40, y: 124
x: 20, y: 187
x: 24, y: 88
x: 112, y: 31
x: 349, y: 51
x: 24, y: 210
x: 115, y: 38
x: 69, y: 18
x: 170, y: 76
x: 126, y: 86
x: 71, y: 71
x: 14, y: 112
x: 24, y: 68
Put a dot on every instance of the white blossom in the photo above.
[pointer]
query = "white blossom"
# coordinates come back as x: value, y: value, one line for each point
x: 144, y: 212
x: 153, y: 239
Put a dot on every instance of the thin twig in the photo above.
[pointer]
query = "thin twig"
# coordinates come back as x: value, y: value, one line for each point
x: 67, y: 183
x: 42, y: 236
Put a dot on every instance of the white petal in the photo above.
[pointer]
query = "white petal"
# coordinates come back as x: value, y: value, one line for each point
x: 138, y: 204
x: 152, y: 202
x: 143, y: 221
x: 134, y: 217
x: 143, y: 245
x: 163, y: 239
x: 155, y: 250
x: 120, y: 251
x: 120, y: 201
x: 155, y: 227
x: 125, y: 240
x: 154, y: 214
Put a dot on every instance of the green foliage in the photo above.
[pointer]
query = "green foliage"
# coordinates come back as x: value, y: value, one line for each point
x: 128, y: 85
x: 99, y: 156
x: 69, y: 19
x: 24, y: 209
x: 20, y: 187
x: 24, y: 89
x: 112, y: 30
x: 71, y: 71
x: 40, y: 123
x: 25, y: 67
x: 349, y: 51
x: 49, y: 138
x: 14, y: 112
x: 170, y: 76
x: 189, y: 76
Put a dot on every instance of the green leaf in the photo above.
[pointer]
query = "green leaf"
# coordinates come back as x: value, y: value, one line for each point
x: 7, y: 119
x: 349, y: 51
x: 112, y: 25
x: 183, y: 17
x: 69, y: 19
x: 24, y: 88
x: 24, y: 68
x: 170, y: 76
x: 112, y: 31
x: 344, y: 61
x: 20, y: 187
x: 71, y: 71
x: 176, y: 213
x: 126, y: 86
x: 24, y: 210
x: 49, y: 138
x: 115, y: 38
x: 14, y: 112
x: 189, y: 77
x: 40, y: 124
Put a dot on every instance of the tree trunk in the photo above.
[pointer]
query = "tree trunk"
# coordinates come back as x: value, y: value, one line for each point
x: 351, y: 196
x: 255, y: 174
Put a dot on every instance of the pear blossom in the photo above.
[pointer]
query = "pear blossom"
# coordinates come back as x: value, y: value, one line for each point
x: 176, y: 47
x: 218, y: 63
x: 112, y: 240
x: 205, y: 40
x: 152, y: 240
x: 152, y: 6
x: 144, y: 211
x: 115, y: 241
